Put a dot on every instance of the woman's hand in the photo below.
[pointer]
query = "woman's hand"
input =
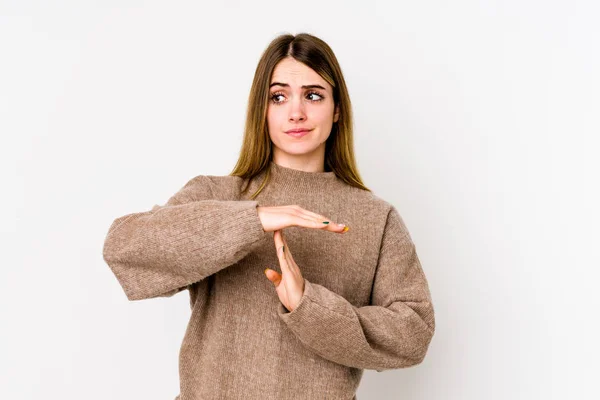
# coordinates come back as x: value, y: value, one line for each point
x: 290, y: 284
x: 277, y: 218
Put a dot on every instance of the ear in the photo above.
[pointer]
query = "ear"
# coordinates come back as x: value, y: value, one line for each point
x: 336, y: 115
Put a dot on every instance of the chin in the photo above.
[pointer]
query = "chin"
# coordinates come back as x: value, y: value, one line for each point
x: 295, y: 152
x: 299, y: 149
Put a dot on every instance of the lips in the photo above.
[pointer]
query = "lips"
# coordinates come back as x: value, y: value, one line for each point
x: 298, y: 132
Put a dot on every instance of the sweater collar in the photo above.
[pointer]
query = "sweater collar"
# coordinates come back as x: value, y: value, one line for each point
x: 295, y: 180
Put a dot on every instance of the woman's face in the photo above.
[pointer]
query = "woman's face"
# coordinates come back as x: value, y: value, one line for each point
x: 292, y: 106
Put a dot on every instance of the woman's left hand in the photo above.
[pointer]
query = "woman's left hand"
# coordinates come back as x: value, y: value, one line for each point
x: 290, y: 284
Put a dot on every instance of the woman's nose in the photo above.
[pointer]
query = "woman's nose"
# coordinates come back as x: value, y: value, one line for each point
x: 297, y: 110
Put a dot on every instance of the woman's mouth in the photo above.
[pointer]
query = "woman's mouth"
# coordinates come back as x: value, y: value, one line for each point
x: 298, y: 133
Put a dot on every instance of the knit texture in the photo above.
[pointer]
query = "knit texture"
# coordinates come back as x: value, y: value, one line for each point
x: 366, y: 302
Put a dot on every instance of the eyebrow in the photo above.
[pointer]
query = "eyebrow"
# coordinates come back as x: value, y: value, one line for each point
x: 303, y: 86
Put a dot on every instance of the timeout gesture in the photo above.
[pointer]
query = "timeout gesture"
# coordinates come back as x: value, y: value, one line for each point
x: 290, y: 283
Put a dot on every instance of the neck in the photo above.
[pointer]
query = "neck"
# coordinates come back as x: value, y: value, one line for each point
x: 295, y: 180
x: 308, y: 164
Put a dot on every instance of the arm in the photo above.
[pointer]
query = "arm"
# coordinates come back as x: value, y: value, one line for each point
x: 161, y: 252
x: 393, y: 332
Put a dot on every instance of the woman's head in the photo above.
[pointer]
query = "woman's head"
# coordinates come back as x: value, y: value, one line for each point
x: 299, y: 98
x: 295, y: 61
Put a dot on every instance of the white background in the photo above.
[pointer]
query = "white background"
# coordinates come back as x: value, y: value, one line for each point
x: 478, y: 120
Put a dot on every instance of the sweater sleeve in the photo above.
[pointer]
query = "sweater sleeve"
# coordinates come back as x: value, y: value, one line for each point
x: 198, y: 232
x: 394, y: 331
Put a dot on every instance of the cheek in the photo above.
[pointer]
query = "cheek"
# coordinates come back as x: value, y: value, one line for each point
x: 273, y: 116
x: 323, y: 115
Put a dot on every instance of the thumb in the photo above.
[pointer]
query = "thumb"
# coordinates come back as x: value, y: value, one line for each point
x: 273, y: 276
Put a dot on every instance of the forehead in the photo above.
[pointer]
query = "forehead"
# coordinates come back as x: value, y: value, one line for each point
x: 295, y: 73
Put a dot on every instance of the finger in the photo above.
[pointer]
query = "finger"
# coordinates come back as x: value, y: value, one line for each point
x: 307, y: 214
x: 288, y: 252
x: 313, y: 220
x: 315, y: 215
x: 312, y: 215
x: 278, y: 241
x: 280, y: 247
x: 294, y: 216
x: 273, y: 276
x: 301, y: 217
x: 329, y: 225
x: 319, y: 223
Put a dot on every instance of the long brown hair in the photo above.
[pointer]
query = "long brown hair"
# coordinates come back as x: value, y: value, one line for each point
x: 257, y: 149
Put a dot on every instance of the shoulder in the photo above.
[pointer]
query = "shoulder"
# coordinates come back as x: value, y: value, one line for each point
x: 365, y: 200
x: 379, y: 210
x: 209, y: 187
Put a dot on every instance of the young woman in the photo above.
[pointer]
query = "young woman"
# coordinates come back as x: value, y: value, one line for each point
x: 299, y: 276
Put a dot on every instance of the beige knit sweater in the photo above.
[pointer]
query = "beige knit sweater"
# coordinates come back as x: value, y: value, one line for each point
x: 366, y: 302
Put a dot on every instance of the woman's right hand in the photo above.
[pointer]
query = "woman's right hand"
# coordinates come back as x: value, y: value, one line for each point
x: 275, y: 218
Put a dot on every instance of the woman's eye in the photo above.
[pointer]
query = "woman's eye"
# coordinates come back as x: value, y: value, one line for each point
x: 315, y: 94
x: 275, y: 96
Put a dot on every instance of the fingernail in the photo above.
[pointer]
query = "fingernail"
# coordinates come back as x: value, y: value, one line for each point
x: 326, y: 222
x: 346, y: 229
